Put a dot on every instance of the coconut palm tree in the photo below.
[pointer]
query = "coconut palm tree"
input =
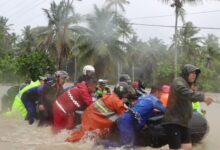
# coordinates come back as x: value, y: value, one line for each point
x: 59, y: 35
x: 100, y: 44
x: 5, y: 36
x: 189, y: 43
x: 116, y: 3
x: 28, y: 41
x: 179, y: 11
x: 211, y: 51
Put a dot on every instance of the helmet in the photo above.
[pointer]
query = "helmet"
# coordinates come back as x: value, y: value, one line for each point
x: 46, y: 77
x: 187, y: 68
x: 139, y: 88
x: 88, y: 68
x: 135, y: 84
x: 125, y: 78
x: 61, y: 73
x: 122, y: 88
x: 102, y: 81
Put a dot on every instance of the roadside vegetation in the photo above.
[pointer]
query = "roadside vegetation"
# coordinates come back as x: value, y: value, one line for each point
x: 105, y: 39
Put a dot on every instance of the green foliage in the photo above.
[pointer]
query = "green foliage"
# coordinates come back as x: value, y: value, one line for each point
x: 8, y: 69
x: 35, y: 64
x: 209, y: 80
x: 109, y: 43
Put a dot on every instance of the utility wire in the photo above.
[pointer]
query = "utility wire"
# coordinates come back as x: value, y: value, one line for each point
x: 20, y: 14
x: 3, y: 4
x: 169, y: 26
x: 14, y: 9
x: 162, y: 16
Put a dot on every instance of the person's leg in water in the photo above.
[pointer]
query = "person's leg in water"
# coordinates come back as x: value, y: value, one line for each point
x: 178, y: 137
x: 46, y: 115
x: 186, y: 146
x: 31, y: 110
x: 186, y: 142
x: 173, y: 136
x: 126, y: 130
x: 126, y: 133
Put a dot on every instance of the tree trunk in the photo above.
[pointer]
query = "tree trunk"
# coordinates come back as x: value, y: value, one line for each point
x: 175, y: 41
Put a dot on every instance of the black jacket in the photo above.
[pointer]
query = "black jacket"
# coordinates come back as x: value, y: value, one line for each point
x: 179, y: 106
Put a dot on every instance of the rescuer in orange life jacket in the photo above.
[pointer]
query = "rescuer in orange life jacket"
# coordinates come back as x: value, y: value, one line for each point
x: 102, y: 114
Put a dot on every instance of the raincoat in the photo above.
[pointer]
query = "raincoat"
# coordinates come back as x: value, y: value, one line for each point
x: 179, y: 106
x: 99, y: 117
x: 67, y: 103
x: 18, y: 107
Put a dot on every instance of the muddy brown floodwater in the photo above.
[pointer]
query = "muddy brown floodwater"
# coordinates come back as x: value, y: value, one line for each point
x: 16, y: 134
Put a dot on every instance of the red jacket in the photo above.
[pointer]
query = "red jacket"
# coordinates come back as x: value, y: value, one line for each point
x: 80, y: 93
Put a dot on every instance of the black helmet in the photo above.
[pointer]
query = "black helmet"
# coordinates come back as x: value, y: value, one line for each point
x: 122, y: 88
x: 125, y: 78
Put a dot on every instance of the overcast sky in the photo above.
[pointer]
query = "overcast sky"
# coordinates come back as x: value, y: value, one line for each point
x: 152, y: 12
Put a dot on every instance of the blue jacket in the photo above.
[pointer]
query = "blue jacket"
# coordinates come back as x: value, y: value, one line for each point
x: 145, y: 106
x: 32, y: 94
x: 128, y: 124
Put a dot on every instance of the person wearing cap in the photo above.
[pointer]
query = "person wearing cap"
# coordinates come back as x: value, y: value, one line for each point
x: 51, y: 90
x: 179, y: 108
x: 133, y: 120
x: 75, y: 98
x: 88, y: 71
x: 102, y: 88
x: 100, y: 117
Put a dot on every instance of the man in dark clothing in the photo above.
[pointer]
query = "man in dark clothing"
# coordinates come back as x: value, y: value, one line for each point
x: 179, y: 108
x: 30, y: 99
x: 51, y: 90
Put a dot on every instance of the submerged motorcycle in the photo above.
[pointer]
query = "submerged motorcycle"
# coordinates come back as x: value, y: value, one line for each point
x: 154, y: 135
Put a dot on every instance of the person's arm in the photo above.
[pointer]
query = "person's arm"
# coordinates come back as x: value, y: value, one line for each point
x: 159, y: 106
x: 187, y: 93
x: 43, y: 94
x: 86, y: 96
x: 26, y: 96
x: 119, y: 106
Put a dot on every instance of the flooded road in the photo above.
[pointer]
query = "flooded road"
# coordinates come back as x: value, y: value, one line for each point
x: 16, y: 134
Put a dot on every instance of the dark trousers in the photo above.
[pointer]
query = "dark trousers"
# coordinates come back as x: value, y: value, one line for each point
x: 31, y: 110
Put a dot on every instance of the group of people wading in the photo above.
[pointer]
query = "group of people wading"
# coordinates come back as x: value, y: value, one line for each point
x: 126, y: 106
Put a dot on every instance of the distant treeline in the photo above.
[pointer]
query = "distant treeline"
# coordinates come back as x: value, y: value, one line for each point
x: 107, y: 41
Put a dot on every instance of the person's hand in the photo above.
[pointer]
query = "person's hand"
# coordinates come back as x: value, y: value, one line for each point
x: 156, y: 110
x: 208, y: 100
x: 41, y: 107
x: 125, y: 106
